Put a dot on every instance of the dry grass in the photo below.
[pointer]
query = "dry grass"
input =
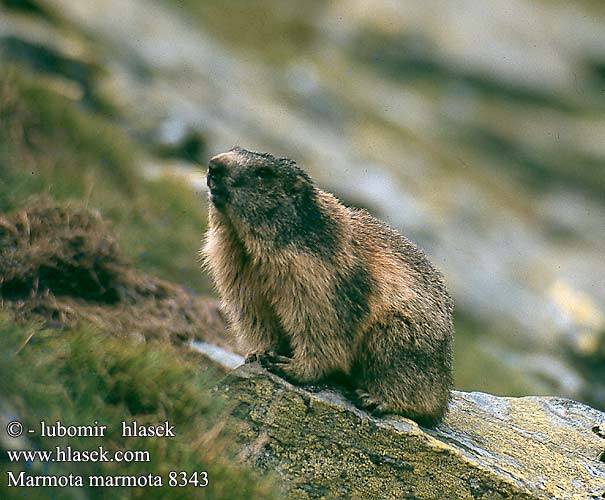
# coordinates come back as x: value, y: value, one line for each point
x: 60, y: 261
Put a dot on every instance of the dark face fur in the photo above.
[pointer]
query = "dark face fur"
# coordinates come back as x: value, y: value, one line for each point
x: 270, y: 198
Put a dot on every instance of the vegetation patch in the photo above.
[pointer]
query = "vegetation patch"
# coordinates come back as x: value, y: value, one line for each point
x: 96, y: 276
x: 61, y: 262
x: 81, y: 375
x: 49, y: 144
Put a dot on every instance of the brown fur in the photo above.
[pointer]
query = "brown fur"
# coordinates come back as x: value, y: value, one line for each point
x: 345, y: 294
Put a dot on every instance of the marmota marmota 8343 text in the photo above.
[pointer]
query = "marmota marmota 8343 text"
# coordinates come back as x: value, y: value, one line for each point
x: 323, y: 289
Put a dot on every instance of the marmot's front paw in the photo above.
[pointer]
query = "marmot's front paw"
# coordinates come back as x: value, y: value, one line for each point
x: 254, y: 357
x: 292, y: 370
x: 266, y: 358
x: 282, y: 366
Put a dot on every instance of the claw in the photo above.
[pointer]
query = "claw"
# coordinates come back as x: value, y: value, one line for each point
x: 282, y: 368
x: 277, y: 358
x: 253, y: 357
x: 368, y: 402
x: 265, y: 357
x: 278, y: 368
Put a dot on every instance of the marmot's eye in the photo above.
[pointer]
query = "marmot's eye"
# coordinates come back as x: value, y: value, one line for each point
x: 264, y: 172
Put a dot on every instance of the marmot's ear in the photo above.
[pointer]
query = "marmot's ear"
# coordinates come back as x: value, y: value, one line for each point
x: 299, y: 184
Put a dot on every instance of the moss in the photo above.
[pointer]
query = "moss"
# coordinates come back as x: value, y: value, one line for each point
x: 81, y: 376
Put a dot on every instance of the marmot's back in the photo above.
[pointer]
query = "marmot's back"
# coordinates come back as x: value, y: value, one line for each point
x: 403, y: 269
x: 315, y: 288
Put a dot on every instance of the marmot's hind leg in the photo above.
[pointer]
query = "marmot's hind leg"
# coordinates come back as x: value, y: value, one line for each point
x: 399, y: 373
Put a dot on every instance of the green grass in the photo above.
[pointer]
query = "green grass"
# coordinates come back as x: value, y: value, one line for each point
x: 49, y: 144
x: 82, y: 376
x: 163, y: 231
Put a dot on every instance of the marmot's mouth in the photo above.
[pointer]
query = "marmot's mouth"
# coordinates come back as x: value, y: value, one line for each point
x: 218, y: 199
x: 218, y: 194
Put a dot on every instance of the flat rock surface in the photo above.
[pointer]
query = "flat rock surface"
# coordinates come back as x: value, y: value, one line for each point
x: 488, y: 447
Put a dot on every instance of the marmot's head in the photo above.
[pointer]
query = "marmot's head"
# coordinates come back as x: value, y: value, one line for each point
x: 267, y: 198
x: 259, y: 184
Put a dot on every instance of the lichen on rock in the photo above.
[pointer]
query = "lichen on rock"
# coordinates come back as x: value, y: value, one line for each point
x: 488, y: 447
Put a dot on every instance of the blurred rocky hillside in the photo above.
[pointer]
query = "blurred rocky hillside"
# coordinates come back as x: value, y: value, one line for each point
x: 476, y: 128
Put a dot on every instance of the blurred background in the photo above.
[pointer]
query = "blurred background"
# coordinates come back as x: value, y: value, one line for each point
x: 475, y: 128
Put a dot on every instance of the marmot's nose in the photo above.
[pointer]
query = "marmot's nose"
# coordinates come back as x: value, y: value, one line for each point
x: 217, y: 168
x: 217, y: 171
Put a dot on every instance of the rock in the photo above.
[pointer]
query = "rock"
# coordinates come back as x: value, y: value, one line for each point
x: 488, y: 447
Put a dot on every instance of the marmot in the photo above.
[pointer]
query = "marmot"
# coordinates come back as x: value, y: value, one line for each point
x: 318, y: 289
